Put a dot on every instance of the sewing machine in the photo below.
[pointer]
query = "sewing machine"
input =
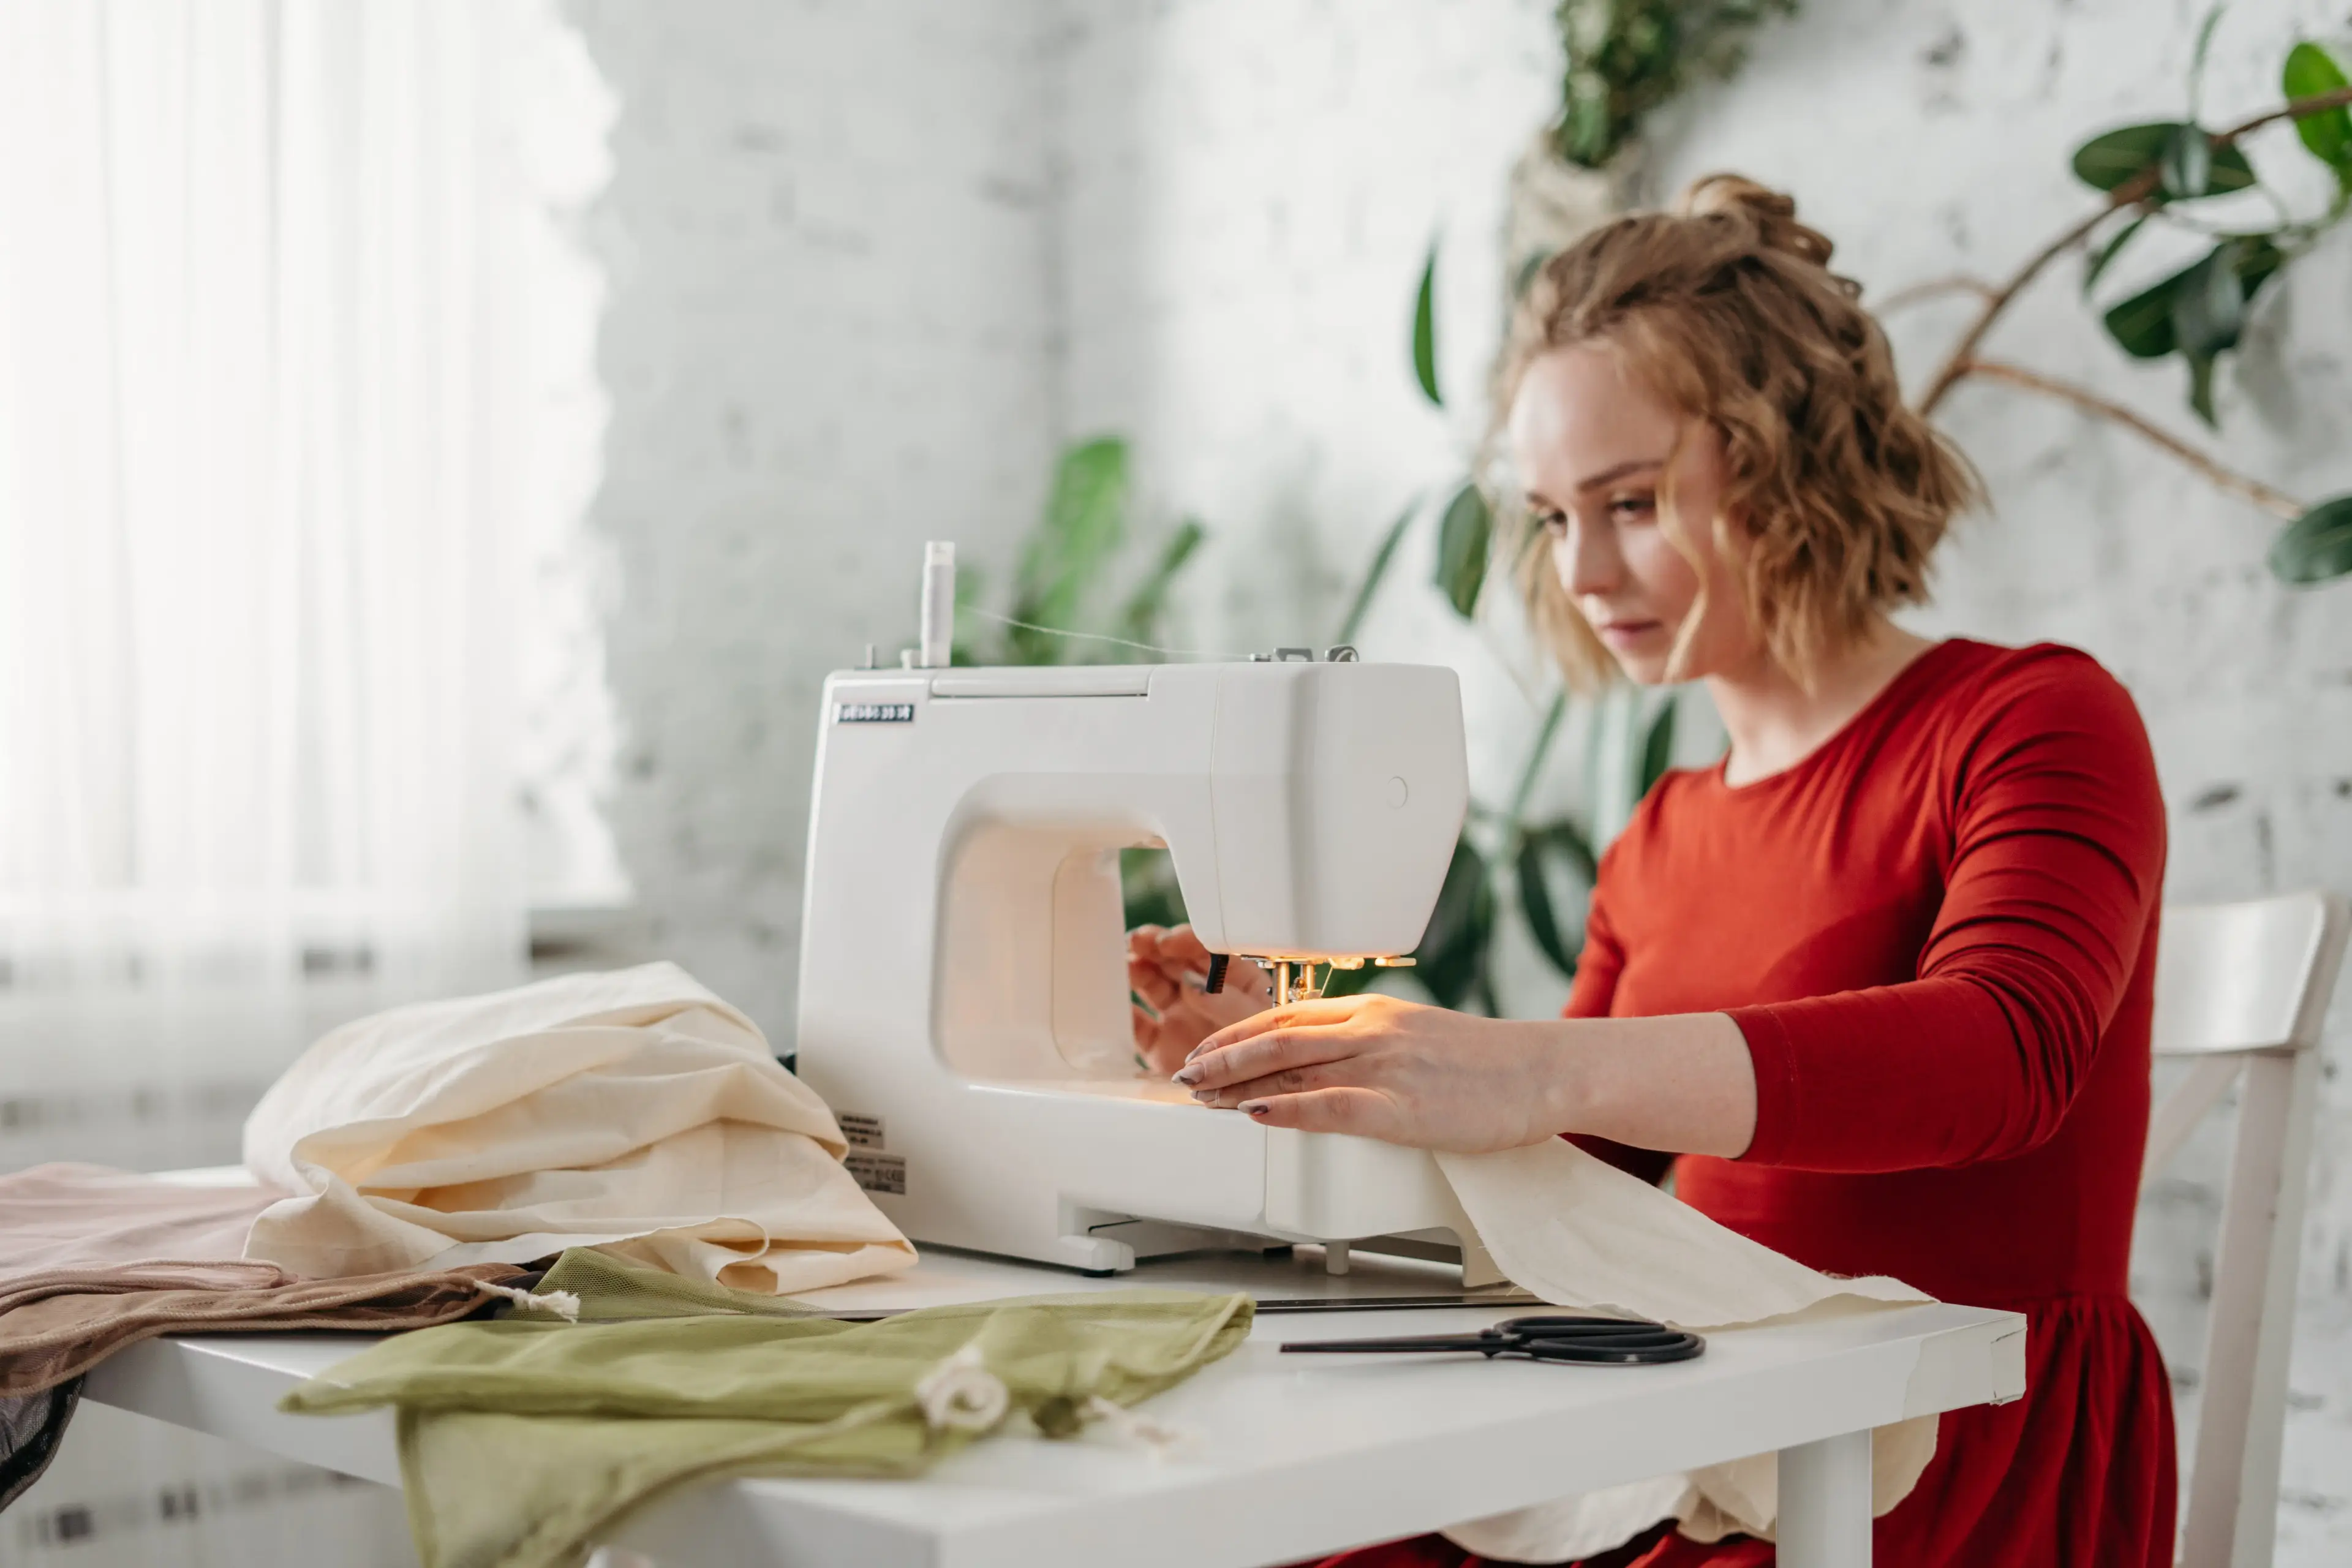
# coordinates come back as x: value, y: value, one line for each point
x: 963, y: 996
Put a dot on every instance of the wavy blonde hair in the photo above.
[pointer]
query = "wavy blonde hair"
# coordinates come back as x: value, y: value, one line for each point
x: 1726, y: 307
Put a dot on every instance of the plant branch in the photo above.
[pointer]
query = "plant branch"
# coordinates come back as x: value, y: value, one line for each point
x: 2275, y: 501
x: 1963, y: 352
x: 1959, y: 283
x: 2138, y: 188
x: 2293, y: 108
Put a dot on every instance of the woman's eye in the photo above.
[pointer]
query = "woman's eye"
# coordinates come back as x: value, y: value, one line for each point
x: 1631, y: 509
x: 1553, y: 522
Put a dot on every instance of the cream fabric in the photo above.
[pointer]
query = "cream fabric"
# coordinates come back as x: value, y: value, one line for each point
x: 631, y: 1110
x: 1580, y: 1233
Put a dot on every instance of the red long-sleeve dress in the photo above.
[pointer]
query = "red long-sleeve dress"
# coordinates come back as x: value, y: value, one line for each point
x: 1938, y: 932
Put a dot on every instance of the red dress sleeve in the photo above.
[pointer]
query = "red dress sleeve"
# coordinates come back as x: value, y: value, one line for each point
x: 1597, y: 969
x: 2057, y: 860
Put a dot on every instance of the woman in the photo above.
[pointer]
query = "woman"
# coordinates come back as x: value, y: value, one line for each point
x: 1878, y: 983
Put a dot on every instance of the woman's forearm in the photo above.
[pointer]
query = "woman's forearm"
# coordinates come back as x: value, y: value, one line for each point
x: 1682, y: 1083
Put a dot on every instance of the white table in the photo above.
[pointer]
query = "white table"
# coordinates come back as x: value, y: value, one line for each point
x: 1296, y: 1456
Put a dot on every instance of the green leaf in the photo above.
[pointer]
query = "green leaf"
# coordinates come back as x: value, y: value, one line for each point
x: 1138, y: 619
x: 2144, y: 325
x: 1546, y: 734
x: 1425, y: 330
x: 2188, y: 163
x: 1535, y: 903
x: 1658, y: 746
x: 1564, y: 838
x: 2105, y: 161
x: 2110, y: 250
x: 1149, y: 890
x: 2197, y: 55
x: 2316, y: 546
x: 1527, y: 271
x: 1451, y: 962
x: 2210, y: 305
x: 1464, y: 540
x: 1373, y: 574
x: 1084, y: 519
x: 2310, y: 72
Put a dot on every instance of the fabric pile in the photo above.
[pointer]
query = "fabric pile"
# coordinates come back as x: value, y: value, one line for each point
x: 631, y: 1110
x: 93, y: 1260
x: 521, y: 1440
x: 412, y: 1164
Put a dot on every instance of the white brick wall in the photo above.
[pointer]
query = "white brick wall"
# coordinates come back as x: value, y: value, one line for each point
x: 829, y: 313
x: 869, y: 263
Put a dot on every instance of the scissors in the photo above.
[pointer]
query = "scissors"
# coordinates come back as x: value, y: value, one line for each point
x: 1601, y: 1342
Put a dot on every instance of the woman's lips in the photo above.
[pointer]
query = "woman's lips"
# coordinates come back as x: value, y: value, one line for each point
x: 1626, y: 633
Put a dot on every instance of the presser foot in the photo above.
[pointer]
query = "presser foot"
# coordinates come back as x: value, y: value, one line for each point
x: 1295, y: 980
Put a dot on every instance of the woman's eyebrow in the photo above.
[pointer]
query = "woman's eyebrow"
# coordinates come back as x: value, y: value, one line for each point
x: 1610, y: 476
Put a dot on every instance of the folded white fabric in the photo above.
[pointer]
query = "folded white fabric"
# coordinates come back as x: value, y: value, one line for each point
x: 631, y: 1110
x: 1580, y: 1233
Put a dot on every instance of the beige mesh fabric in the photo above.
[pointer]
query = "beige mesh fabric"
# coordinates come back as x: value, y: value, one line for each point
x: 631, y: 1110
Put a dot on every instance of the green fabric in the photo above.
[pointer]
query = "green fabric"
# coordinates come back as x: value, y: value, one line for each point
x: 611, y: 1290
x: 523, y: 1439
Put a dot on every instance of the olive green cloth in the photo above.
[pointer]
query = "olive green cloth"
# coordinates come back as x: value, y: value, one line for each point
x: 523, y: 1440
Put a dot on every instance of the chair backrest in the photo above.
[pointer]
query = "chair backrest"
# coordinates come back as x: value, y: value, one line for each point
x: 2244, y: 988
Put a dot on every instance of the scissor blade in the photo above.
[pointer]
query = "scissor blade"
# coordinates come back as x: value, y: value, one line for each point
x: 1422, y: 1342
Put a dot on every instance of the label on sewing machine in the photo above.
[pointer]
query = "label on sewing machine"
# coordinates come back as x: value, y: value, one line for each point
x: 872, y: 712
x: 862, y: 1131
x: 880, y: 1173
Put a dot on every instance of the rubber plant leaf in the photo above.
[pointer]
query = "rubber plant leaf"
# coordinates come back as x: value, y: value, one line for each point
x: 2310, y: 72
x: 1425, y: 330
x: 2107, y: 253
x: 2187, y: 163
x: 2207, y: 311
x: 2315, y: 547
x: 2106, y: 160
x: 1376, y: 572
x: 2143, y: 325
x: 1464, y: 540
x: 2197, y: 55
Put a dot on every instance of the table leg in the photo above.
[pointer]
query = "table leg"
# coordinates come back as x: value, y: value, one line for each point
x: 1826, y: 1503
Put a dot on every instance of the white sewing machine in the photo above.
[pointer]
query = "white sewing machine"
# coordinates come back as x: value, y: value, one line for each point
x: 963, y: 996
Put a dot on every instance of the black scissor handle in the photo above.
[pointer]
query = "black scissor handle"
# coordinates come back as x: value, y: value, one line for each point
x: 1598, y: 1342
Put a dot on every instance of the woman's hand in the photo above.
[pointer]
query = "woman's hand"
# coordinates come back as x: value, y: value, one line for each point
x: 1391, y: 1069
x: 1167, y: 968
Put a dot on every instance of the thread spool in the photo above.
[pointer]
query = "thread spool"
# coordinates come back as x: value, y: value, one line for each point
x: 938, y: 649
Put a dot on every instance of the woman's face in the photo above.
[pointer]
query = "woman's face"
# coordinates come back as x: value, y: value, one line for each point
x: 1592, y: 447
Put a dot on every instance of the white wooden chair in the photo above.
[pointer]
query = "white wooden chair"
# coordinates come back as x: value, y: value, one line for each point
x: 2244, y: 986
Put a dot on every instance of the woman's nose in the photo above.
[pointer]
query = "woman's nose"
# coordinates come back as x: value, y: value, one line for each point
x: 1586, y: 560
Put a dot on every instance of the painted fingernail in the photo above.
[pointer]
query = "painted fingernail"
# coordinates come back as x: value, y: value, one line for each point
x: 1188, y: 1075
x: 1205, y: 1096
x: 1254, y: 1107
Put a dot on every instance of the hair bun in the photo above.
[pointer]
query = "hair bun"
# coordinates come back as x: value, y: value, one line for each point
x: 1772, y: 214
